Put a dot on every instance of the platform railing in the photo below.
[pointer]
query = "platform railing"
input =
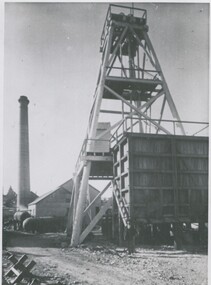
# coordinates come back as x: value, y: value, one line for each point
x: 120, y: 9
x: 140, y: 73
x: 132, y: 124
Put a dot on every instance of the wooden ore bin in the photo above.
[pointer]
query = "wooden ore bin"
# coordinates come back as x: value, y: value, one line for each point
x: 163, y: 178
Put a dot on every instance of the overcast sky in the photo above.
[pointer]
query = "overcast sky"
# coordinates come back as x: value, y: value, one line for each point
x: 52, y: 57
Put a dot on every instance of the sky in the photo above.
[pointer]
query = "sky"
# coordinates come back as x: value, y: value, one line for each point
x: 51, y: 55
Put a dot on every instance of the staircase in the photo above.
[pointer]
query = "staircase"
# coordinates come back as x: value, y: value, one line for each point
x: 121, y: 204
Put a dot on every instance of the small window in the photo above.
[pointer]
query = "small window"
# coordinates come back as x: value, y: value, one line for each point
x: 67, y: 200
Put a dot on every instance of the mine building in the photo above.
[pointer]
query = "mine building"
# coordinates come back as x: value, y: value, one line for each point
x: 56, y: 203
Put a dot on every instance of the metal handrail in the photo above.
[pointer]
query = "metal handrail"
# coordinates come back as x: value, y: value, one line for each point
x: 116, y: 135
x: 137, y: 69
x: 130, y: 8
x: 201, y: 130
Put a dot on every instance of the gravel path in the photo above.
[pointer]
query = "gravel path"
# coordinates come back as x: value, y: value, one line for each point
x: 104, y: 264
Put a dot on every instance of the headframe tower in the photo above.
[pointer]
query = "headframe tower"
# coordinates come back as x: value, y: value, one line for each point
x: 131, y: 82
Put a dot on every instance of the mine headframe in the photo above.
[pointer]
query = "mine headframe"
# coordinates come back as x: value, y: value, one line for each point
x: 129, y: 85
x: 133, y: 74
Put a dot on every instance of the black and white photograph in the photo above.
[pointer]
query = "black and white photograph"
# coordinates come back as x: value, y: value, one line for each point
x: 105, y: 138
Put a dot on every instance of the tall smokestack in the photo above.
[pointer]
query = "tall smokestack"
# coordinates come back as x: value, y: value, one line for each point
x: 24, y: 173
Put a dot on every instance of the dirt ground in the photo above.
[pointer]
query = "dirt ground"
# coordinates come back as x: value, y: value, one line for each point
x: 101, y: 263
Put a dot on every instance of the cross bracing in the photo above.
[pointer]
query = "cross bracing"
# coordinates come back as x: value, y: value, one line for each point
x: 131, y: 92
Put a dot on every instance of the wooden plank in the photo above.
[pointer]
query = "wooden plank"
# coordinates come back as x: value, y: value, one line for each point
x: 145, y: 154
x: 18, y: 265
x: 11, y: 272
x: 152, y: 187
x: 100, y: 177
x: 193, y: 172
x: 137, y: 110
x: 151, y: 171
x: 114, y: 112
x: 13, y: 259
x: 97, y: 197
x: 20, y: 260
x: 19, y: 277
x: 70, y: 214
x: 133, y: 80
x: 96, y: 158
x: 95, y: 220
x: 192, y: 155
x: 30, y: 265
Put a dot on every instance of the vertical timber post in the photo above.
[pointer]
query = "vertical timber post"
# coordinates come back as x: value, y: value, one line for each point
x: 120, y: 230
x: 168, y: 95
x: 77, y: 224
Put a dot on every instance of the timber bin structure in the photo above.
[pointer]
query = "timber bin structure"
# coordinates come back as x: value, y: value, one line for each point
x: 163, y: 178
x: 136, y: 139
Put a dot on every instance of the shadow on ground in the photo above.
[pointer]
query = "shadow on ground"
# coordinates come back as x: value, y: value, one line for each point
x: 21, y: 239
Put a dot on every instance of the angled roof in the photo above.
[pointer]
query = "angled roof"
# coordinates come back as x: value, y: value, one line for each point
x: 68, y: 185
x: 46, y: 195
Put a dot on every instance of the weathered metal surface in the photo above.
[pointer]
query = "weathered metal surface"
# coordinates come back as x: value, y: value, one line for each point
x: 21, y: 216
x: 164, y: 178
x: 44, y: 224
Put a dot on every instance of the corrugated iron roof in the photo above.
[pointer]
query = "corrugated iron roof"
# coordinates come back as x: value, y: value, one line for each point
x: 68, y: 185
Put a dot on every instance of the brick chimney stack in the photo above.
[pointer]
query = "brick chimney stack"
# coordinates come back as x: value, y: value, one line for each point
x: 24, y: 171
